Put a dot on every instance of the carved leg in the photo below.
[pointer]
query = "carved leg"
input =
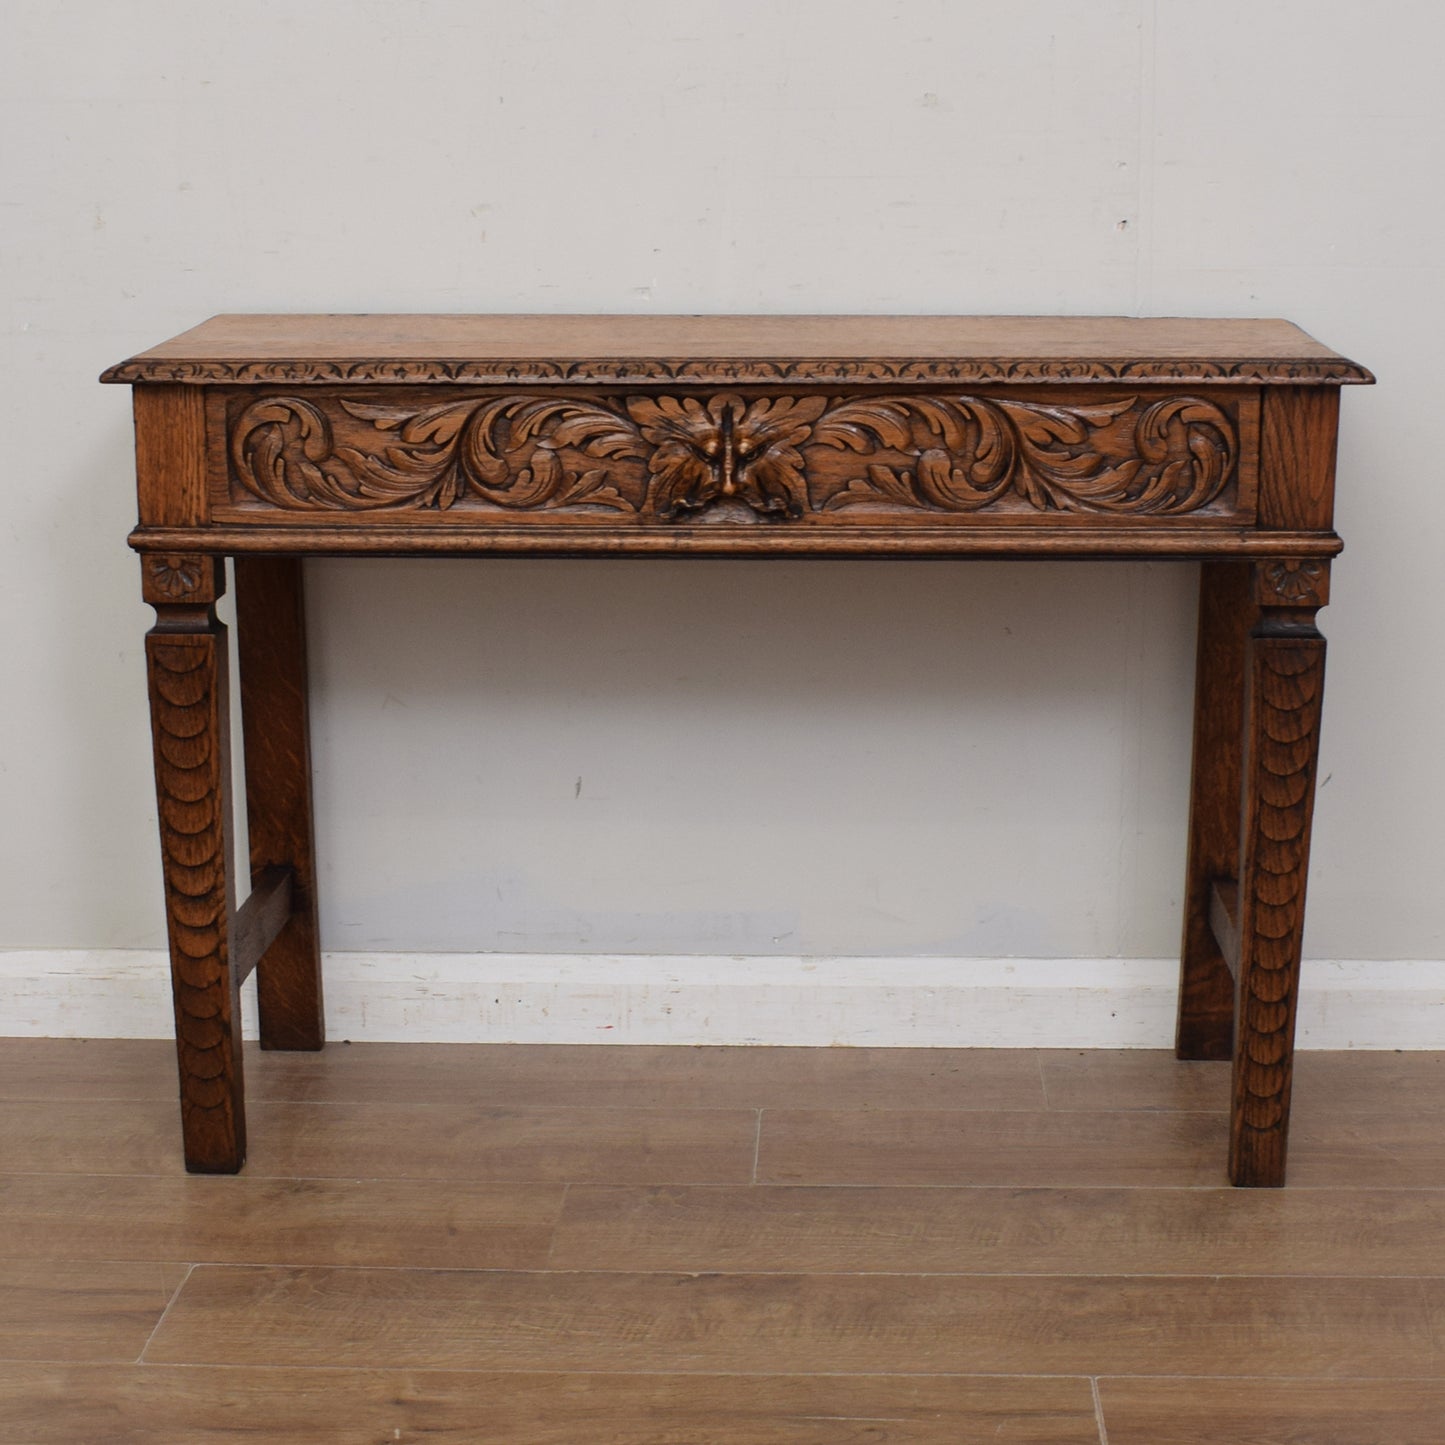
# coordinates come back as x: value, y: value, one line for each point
x: 1206, y: 985
x: 186, y: 660
x: 1286, y: 676
x: 272, y: 640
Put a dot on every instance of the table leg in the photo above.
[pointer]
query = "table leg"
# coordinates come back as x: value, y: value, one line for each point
x: 1286, y: 675
x: 1206, y: 984
x: 270, y: 623
x: 187, y: 668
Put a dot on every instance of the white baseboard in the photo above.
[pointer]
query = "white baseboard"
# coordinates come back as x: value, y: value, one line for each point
x: 910, y: 1002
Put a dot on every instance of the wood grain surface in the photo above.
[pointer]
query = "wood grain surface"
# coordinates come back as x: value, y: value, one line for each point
x: 271, y: 638
x: 378, y: 348
x: 1274, y: 1412
x: 64, y: 1310
x: 608, y: 1272
x: 657, y: 1076
x: 160, y: 1405
x: 799, y: 1323
x: 1003, y: 1230
x: 746, y: 436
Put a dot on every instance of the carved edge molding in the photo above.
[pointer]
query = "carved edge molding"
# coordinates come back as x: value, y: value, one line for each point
x: 186, y: 698
x: 1245, y: 372
x: 665, y: 458
x: 1287, y: 677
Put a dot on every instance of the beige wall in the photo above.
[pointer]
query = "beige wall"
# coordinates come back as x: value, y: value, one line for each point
x: 972, y: 760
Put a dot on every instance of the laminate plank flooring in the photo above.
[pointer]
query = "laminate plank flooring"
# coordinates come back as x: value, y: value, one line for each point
x: 722, y: 1246
x: 160, y: 1405
x: 797, y: 1323
x: 1274, y: 1412
x: 242, y: 1220
x: 1003, y: 1231
x: 902, y: 1146
x: 60, y: 1310
x: 1325, y: 1084
x: 589, y: 1076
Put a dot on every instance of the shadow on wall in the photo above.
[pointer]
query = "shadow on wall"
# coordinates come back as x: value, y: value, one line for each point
x: 970, y: 759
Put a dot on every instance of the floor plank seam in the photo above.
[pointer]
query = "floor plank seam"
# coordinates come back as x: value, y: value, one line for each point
x: 757, y: 1145
x: 556, y: 1228
x: 712, y: 1270
x: 175, y: 1295
x: 256, y: 1175
x: 1098, y: 1410
x: 1422, y: 1281
x: 625, y: 1372
x: 681, y: 1272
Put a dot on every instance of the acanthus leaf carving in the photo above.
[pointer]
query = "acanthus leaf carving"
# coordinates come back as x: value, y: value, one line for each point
x: 1183, y: 452
x: 667, y: 458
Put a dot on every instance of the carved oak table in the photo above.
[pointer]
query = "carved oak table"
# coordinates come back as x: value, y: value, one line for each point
x: 272, y: 438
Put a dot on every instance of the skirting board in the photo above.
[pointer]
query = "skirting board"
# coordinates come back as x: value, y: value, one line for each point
x: 901, y: 1002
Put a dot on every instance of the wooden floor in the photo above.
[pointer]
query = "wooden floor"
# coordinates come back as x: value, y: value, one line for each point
x: 609, y: 1244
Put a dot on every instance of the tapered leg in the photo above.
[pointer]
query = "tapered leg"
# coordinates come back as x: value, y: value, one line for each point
x: 1285, y: 686
x: 187, y: 667
x: 270, y: 621
x: 1206, y: 986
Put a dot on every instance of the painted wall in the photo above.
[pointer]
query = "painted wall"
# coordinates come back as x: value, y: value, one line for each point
x: 958, y: 759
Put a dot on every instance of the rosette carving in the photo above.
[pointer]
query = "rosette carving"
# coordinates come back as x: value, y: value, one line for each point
x: 768, y: 458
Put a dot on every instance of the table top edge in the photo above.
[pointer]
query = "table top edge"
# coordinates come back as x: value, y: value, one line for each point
x: 722, y: 349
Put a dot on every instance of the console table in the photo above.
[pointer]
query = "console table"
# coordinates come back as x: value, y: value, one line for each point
x: 273, y: 438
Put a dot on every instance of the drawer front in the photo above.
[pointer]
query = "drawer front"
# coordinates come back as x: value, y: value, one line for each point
x: 1071, y: 457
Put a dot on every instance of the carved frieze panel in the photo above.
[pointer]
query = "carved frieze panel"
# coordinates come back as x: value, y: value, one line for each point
x: 738, y: 458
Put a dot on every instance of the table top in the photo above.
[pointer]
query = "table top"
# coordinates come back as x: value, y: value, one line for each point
x: 396, y: 349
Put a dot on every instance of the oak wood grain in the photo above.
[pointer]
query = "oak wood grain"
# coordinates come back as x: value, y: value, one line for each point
x: 188, y: 674
x: 869, y: 437
x: 397, y: 348
x: 1285, y: 670
x: 461, y: 537
x: 778, y: 1323
x: 384, y: 1141
x: 652, y: 1076
x: 1273, y: 1412
x: 260, y: 919
x: 1331, y: 1082
x: 91, y: 1136
x: 170, y: 456
x: 1209, y: 1291
x: 820, y: 1146
x: 1032, y: 457
x: 87, y: 1068
x: 1224, y: 920
x: 841, y: 1229
x: 271, y: 636
x: 107, y: 1218
x: 1297, y: 458
x: 1205, y: 1028
x: 62, y: 1310
x: 643, y: 1076
x: 380, y: 1141
x: 159, y: 1405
